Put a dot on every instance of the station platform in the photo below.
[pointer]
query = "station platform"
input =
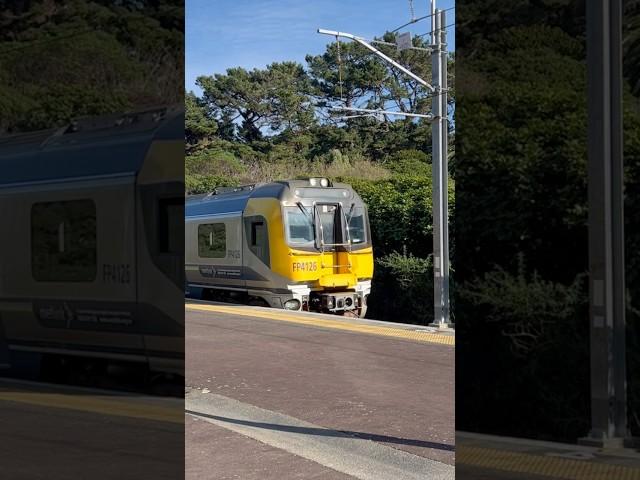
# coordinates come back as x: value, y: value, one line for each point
x: 56, y: 432
x: 315, y: 396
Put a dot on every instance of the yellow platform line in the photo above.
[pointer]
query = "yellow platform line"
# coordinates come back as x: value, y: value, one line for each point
x: 543, y: 465
x: 96, y: 404
x: 332, y: 324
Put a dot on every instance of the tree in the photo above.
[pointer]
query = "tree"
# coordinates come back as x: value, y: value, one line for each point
x: 263, y: 101
x: 62, y: 60
x: 631, y: 43
x: 198, y: 124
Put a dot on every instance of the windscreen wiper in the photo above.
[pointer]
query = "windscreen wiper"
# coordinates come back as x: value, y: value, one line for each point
x: 304, y: 210
x: 353, y: 205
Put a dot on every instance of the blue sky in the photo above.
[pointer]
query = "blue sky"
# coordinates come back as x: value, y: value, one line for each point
x: 253, y: 33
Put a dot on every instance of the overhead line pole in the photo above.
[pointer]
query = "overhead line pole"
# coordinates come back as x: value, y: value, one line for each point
x: 609, y: 425
x: 440, y: 173
x: 439, y: 155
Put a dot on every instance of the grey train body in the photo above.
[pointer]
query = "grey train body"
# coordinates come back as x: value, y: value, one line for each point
x: 95, y: 218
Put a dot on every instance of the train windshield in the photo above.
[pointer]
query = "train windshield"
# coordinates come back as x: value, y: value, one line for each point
x: 300, y: 221
x: 299, y: 227
x: 356, y: 223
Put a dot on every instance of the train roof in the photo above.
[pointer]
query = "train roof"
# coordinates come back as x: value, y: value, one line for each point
x: 234, y: 200
x: 89, y: 147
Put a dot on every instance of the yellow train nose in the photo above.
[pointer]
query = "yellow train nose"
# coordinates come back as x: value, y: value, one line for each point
x: 334, y: 280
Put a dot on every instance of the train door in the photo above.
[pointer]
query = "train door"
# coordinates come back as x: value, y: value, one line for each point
x: 334, y: 241
x: 256, y: 254
x: 160, y: 252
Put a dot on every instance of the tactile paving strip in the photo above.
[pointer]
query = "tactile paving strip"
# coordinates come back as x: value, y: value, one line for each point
x: 419, y: 336
x: 544, y: 465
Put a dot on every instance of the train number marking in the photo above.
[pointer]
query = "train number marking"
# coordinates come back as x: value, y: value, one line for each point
x: 305, y: 266
x: 116, y: 273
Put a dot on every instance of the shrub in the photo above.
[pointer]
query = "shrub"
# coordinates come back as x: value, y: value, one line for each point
x: 513, y: 330
x: 401, y: 286
x: 526, y: 307
x: 196, y: 183
x: 410, y: 162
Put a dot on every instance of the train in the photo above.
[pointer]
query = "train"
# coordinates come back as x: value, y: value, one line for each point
x: 93, y: 236
x: 301, y: 244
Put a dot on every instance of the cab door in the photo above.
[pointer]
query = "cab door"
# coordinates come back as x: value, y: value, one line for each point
x: 335, y: 246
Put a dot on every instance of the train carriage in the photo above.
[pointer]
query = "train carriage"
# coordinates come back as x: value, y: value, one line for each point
x: 296, y: 244
x: 93, y: 218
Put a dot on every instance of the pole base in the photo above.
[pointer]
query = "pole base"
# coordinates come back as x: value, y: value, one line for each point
x: 614, y: 443
x: 446, y: 326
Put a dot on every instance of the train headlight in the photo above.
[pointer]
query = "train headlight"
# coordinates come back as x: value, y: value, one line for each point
x: 323, y: 182
x: 348, y: 302
x: 292, y: 304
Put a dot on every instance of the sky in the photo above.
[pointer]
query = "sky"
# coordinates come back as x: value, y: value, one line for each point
x: 254, y: 33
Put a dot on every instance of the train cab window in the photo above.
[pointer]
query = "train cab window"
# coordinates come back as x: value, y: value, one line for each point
x: 299, y: 227
x: 357, y: 230
x: 63, y: 241
x: 258, y: 237
x: 212, y: 240
x: 329, y: 220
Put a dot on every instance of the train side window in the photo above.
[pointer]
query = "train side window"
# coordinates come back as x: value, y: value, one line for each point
x: 258, y: 237
x: 64, y: 241
x: 212, y: 240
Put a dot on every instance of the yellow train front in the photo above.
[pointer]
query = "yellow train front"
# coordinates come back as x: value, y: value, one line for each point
x: 296, y: 244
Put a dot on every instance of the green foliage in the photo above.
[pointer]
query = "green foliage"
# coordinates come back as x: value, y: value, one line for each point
x: 215, y: 161
x: 400, y: 212
x: 274, y: 98
x: 527, y: 307
x: 410, y: 162
x: 631, y: 44
x: 198, y: 126
x: 531, y: 339
x: 63, y: 60
x: 401, y: 284
x: 524, y: 173
x: 198, y: 184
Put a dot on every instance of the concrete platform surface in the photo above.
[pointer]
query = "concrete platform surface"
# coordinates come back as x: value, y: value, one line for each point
x: 340, y: 397
x: 53, y: 432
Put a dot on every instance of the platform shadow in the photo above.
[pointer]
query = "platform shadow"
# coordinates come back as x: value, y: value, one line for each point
x: 325, y: 432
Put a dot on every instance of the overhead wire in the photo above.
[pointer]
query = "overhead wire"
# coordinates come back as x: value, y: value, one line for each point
x: 437, y: 30
x: 416, y: 20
